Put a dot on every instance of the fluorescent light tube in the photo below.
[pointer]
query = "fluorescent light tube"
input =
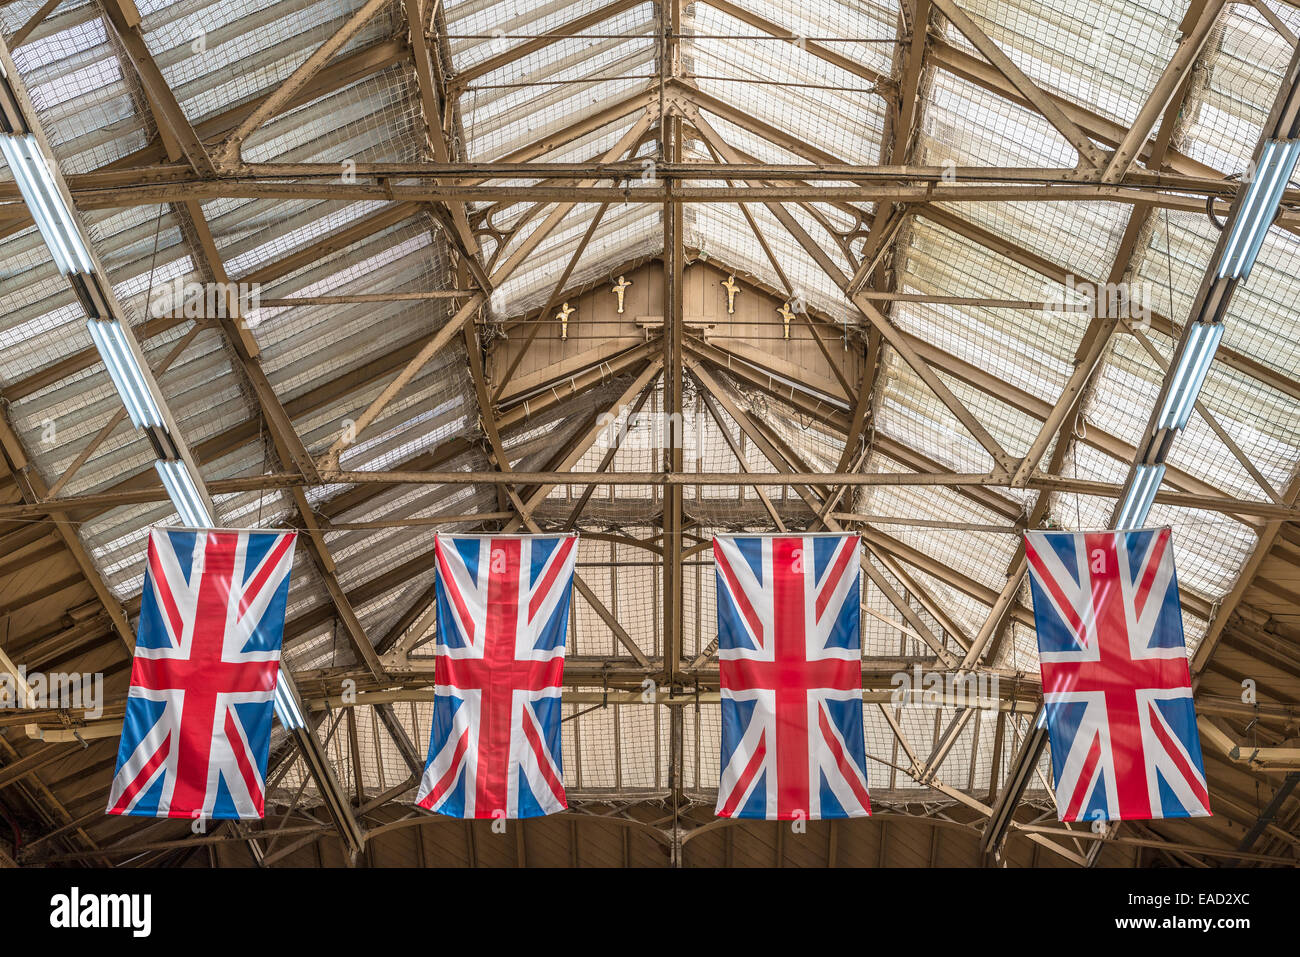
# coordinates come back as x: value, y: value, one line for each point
x: 286, y: 708
x: 1256, y: 213
x: 1188, y: 376
x: 184, y: 494
x: 1146, y: 482
x: 125, y: 371
x: 53, y: 218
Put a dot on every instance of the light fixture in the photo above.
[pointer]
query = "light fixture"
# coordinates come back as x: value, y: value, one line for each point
x: 62, y: 234
x: 1276, y: 162
x: 125, y: 372
x: 1189, y: 375
x: 1141, y: 493
x: 49, y: 210
x: 286, y: 707
x: 184, y: 493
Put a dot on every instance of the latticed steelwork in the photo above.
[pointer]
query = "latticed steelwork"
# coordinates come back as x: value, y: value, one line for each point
x: 652, y: 270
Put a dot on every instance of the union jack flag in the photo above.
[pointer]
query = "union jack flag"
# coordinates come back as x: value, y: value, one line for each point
x: 1116, y: 687
x: 502, y: 614
x: 790, y: 662
x: 207, y: 655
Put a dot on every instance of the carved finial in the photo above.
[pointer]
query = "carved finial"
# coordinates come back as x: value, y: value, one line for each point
x: 732, y: 288
x: 563, y: 315
x: 620, y: 288
x: 786, y: 317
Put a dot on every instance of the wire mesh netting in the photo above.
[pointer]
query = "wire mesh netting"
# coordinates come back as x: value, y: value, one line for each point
x: 1104, y: 56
